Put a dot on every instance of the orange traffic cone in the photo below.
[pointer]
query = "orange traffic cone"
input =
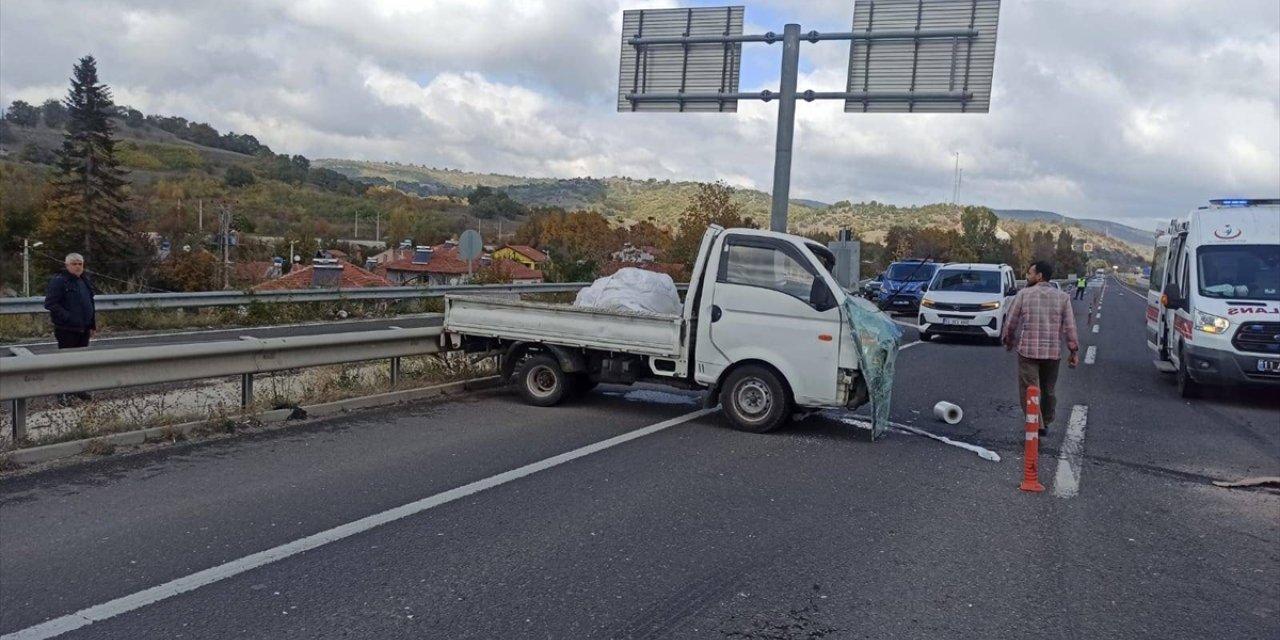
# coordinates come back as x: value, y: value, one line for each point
x: 1031, y: 453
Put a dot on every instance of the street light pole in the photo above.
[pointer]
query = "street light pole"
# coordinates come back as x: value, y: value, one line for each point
x: 27, y: 246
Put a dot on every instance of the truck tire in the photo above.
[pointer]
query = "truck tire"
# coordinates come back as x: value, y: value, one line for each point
x: 1187, y: 388
x: 542, y: 382
x: 755, y: 400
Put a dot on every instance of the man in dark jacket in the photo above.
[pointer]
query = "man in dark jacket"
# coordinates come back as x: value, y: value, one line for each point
x: 69, y: 300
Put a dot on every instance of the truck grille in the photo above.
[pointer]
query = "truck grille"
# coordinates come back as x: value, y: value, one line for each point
x: 947, y: 306
x: 1258, y: 337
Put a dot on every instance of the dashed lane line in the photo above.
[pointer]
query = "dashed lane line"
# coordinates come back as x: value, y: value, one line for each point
x: 125, y: 604
x: 1066, y: 481
x: 1091, y: 355
x: 1096, y: 327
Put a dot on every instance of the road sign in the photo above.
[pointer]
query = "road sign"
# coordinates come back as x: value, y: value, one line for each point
x: 907, y: 55
x: 930, y: 75
x: 682, y: 67
x: 1088, y: 247
x: 470, y: 245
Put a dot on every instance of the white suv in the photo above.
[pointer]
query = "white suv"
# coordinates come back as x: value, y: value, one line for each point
x: 967, y: 300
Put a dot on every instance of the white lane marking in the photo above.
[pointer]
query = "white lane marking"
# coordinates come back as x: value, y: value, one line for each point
x: 908, y: 346
x: 1098, y: 316
x: 1066, y: 482
x: 1095, y: 327
x: 1127, y: 289
x: 1091, y: 355
x: 96, y: 613
x: 909, y: 325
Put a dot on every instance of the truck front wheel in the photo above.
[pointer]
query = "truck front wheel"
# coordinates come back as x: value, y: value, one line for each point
x: 542, y: 382
x: 754, y: 399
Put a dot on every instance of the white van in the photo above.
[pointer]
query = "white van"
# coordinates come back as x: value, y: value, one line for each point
x: 967, y: 300
x: 1213, y: 305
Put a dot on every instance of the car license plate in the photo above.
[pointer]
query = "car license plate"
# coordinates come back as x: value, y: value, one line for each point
x: 1268, y: 366
x: 954, y: 321
x: 902, y: 303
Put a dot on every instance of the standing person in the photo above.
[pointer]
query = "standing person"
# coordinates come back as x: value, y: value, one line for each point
x: 1080, y: 285
x: 69, y: 299
x: 1038, y: 320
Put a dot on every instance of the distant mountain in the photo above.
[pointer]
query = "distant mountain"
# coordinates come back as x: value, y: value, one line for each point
x: 662, y: 201
x: 1140, y: 239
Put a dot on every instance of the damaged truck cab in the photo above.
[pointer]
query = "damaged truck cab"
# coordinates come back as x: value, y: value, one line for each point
x: 765, y: 330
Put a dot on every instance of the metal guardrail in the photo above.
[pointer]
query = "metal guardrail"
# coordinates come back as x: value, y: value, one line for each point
x: 25, y: 375
x: 115, y: 302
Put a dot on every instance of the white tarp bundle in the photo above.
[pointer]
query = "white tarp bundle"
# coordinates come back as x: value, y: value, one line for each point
x: 632, y: 289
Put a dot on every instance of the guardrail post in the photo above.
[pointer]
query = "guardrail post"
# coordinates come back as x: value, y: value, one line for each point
x: 395, y: 371
x: 19, y: 411
x: 246, y: 390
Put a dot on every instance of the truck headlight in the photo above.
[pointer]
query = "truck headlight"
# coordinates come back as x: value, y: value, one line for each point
x: 927, y: 303
x: 988, y: 306
x: 1209, y: 323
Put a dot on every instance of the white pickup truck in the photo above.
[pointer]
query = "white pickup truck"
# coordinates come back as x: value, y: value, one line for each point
x: 763, y: 329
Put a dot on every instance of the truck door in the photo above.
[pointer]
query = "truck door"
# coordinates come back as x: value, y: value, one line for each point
x: 763, y: 307
x: 1156, y: 335
x: 1175, y: 319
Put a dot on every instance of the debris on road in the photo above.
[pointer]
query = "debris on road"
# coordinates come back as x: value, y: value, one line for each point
x: 1260, y: 481
x: 984, y: 453
x: 947, y: 412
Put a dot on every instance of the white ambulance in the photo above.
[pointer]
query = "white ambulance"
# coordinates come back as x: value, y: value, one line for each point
x: 1213, y: 308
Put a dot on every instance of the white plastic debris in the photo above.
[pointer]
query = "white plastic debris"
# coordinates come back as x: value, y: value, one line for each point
x: 632, y: 289
x: 947, y: 412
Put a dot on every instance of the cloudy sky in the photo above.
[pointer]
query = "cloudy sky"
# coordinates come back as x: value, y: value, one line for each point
x: 1131, y: 110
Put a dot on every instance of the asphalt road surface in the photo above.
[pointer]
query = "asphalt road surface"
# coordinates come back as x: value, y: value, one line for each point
x: 484, y: 518
x: 220, y: 335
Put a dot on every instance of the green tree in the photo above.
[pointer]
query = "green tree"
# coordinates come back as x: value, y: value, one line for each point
x: 711, y: 204
x: 22, y: 114
x: 1065, y: 258
x: 1042, y: 246
x: 1022, y: 249
x: 55, y: 114
x: 87, y: 209
x: 978, y: 227
x: 238, y: 177
x: 133, y: 118
x: 6, y: 132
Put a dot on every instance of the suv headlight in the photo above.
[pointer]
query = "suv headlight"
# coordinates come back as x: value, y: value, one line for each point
x: 988, y: 306
x: 1209, y: 323
x: 926, y: 303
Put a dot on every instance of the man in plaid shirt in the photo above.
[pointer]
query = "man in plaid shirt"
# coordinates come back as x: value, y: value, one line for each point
x: 1036, y: 323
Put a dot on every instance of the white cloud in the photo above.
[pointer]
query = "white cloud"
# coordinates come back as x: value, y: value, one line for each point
x: 1135, y: 110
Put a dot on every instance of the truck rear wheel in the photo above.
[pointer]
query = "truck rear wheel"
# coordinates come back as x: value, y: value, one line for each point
x: 542, y: 382
x: 754, y: 399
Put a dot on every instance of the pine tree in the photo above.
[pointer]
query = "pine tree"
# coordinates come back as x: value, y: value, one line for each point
x: 87, y: 210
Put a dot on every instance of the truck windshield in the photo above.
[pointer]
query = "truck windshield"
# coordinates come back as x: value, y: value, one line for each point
x: 910, y: 272
x: 966, y: 280
x: 1240, y: 271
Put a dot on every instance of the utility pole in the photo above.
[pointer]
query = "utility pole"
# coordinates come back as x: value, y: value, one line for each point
x: 955, y: 181
x: 200, y: 205
x: 377, y: 225
x: 356, y: 234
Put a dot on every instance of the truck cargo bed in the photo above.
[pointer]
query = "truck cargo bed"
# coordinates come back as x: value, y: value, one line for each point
x: 653, y: 335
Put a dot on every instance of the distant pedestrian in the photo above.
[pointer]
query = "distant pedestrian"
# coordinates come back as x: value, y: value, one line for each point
x: 69, y: 299
x: 1081, y: 282
x: 1038, y: 320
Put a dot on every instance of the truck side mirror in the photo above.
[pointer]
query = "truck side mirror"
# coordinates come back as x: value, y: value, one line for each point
x: 820, y: 296
x: 1172, y: 295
